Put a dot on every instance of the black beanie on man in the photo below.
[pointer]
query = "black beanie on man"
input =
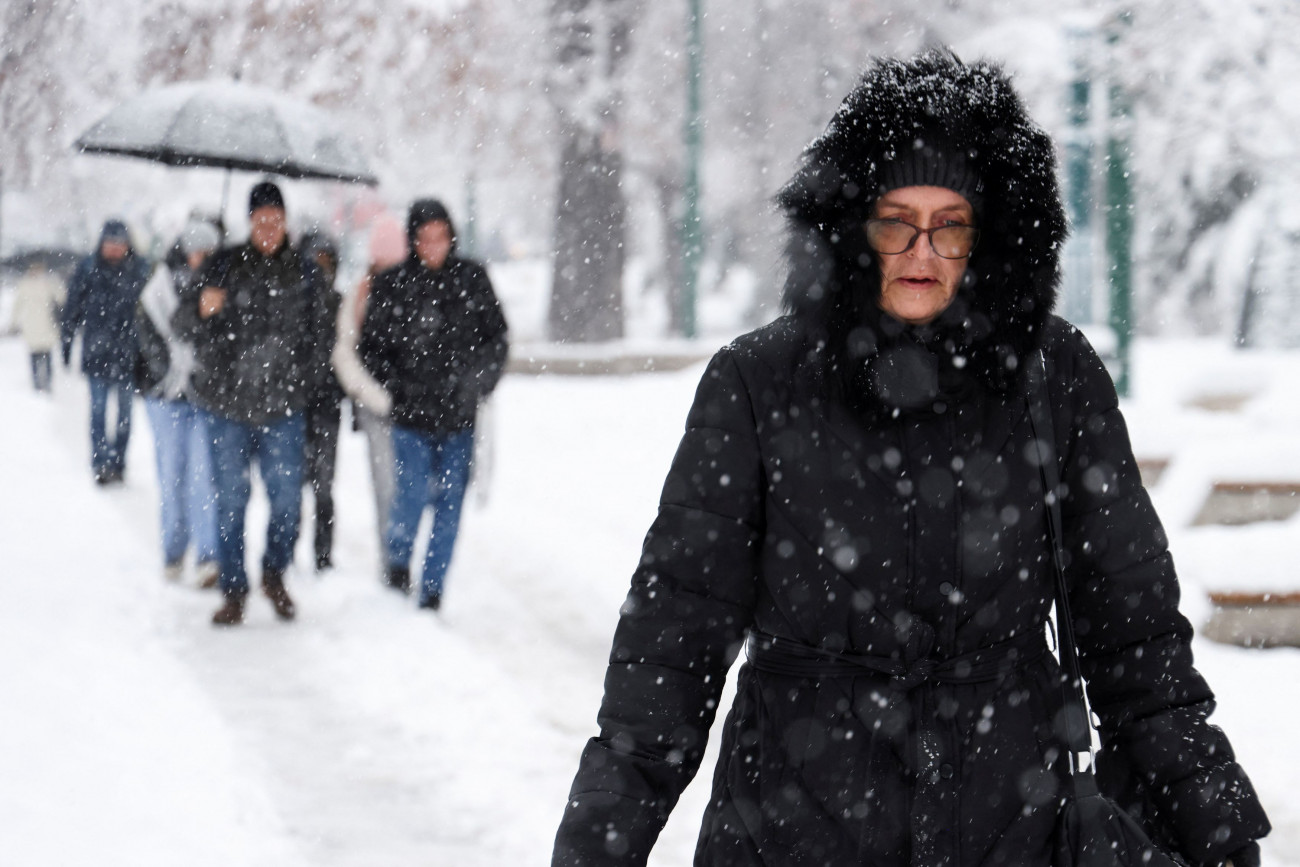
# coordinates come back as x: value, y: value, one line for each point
x: 264, y: 194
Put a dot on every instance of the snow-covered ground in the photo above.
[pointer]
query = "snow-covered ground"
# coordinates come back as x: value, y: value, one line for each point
x: 133, y: 733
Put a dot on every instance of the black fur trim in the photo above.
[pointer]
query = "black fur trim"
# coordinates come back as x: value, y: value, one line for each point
x: 832, y: 285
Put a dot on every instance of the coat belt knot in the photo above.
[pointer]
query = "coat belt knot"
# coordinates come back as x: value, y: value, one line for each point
x: 784, y: 656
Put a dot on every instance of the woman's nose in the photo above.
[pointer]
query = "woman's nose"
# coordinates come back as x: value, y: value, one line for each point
x: 922, y: 240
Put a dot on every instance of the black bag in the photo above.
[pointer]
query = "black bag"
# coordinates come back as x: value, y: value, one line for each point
x: 1091, y: 829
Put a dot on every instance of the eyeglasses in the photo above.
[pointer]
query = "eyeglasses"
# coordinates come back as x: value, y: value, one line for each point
x: 890, y: 237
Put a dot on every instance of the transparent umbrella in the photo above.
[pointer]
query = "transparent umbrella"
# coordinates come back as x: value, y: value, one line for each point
x: 227, y: 124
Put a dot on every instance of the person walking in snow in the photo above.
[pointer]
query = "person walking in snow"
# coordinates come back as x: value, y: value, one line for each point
x: 256, y: 319
x: 434, y: 337
x: 102, y: 297
x: 857, y: 502
x: 39, y: 295
x: 324, y: 405
x: 182, y: 446
x: 371, y: 404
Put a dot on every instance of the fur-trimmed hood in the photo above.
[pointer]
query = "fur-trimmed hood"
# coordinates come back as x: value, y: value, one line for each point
x: 832, y: 286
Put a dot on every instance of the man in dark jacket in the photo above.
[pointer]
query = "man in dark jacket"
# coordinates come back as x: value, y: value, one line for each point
x: 435, y: 338
x: 102, y: 296
x: 255, y: 318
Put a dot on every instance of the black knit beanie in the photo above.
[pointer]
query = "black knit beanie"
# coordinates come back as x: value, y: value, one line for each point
x: 932, y: 162
x: 263, y: 194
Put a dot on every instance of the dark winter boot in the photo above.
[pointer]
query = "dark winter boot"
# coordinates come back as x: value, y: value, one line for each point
x: 432, y: 602
x: 324, y: 541
x: 232, y: 612
x: 273, y: 587
x: 399, y: 578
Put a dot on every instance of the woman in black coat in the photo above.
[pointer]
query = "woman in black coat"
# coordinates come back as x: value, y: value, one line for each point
x: 857, y: 502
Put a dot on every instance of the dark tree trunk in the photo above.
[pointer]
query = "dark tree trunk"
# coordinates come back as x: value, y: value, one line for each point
x: 586, y: 289
x: 591, y: 39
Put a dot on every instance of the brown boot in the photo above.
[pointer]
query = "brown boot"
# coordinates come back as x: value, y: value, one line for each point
x: 232, y: 612
x: 273, y: 587
x: 209, y: 574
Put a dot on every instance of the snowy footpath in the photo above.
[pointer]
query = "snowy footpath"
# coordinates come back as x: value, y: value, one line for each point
x: 133, y: 733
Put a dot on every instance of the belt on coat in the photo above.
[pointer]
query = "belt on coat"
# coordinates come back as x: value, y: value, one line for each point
x: 784, y: 656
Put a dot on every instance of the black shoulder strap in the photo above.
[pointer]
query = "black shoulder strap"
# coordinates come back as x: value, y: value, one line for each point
x: 1076, y: 702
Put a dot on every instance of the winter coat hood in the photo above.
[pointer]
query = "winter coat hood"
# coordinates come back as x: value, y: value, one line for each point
x: 428, y: 211
x: 933, y: 102
x: 115, y: 230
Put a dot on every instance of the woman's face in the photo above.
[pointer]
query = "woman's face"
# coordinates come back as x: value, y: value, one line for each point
x: 917, y: 284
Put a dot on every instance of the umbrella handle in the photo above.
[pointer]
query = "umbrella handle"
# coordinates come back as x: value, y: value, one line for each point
x: 225, y: 197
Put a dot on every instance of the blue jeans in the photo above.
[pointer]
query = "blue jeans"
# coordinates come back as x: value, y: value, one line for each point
x: 189, y: 499
x: 278, y: 448
x: 431, y: 470
x: 42, y: 370
x: 106, y: 455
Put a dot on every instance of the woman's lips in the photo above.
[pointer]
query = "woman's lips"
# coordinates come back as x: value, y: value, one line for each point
x: 918, y: 282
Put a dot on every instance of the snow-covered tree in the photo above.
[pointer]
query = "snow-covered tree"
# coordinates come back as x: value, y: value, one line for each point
x: 547, y: 114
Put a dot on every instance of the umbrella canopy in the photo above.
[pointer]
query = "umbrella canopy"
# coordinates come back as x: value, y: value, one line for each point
x: 229, y: 125
x: 58, y: 259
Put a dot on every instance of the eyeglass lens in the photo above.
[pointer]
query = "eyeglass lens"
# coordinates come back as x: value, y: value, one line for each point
x: 895, y: 236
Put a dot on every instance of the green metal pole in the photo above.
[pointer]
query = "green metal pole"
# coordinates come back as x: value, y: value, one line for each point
x: 1078, y: 253
x: 692, y: 235
x: 1119, y: 218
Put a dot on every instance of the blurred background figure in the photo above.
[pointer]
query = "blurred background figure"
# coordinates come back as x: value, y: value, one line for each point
x: 188, y: 512
x: 324, y: 401
x: 371, y: 403
x: 435, y: 337
x: 40, y: 296
x: 102, y: 297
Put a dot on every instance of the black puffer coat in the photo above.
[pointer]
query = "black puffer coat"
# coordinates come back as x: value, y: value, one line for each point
x: 848, y: 486
x: 436, y: 340
x: 257, y: 358
x: 101, y: 304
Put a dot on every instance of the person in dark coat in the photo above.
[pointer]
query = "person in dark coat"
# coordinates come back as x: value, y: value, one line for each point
x: 435, y: 338
x: 324, y: 405
x: 256, y: 319
x: 857, y: 503
x: 102, y: 296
